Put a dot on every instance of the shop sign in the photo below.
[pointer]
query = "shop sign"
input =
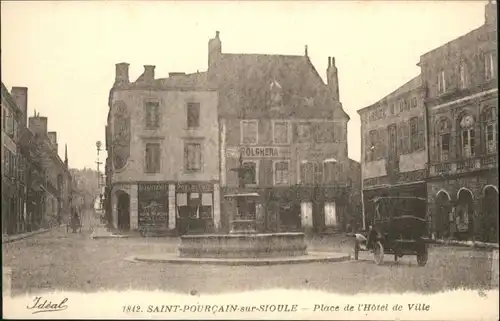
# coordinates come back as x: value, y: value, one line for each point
x: 194, y: 188
x: 259, y: 152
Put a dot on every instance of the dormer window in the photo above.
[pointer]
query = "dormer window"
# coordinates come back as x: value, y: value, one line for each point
x: 276, y: 97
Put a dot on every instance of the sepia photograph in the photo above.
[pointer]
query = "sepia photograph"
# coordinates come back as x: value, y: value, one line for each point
x: 306, y: 160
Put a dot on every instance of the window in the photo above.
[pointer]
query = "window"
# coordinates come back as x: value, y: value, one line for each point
x: 444, y: 139
x: 441, y: 82
x: 393, y: 141
x: 489, y: 66
x: 373, y: 142
x: 311, y: 172
x: 463, y: 76
x: 249, y: 132
x: 152, y: 157
x: 193, y: 115
x: 304, y: 133
x: 401, y: 106
x: 250, y: 173
x: 281, y: 172
x: 414, y: 102
x: 490, y: 130
x: 393, y: 109
x: 414, y: 139
x: 152, y: 115
x: 281, y: 132
x: 324, y: 132
x: 192, y: 157
x: 467, y: 136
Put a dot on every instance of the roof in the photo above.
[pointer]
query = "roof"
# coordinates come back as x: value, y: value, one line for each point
x: 7, y: 96
x: 247, y: 79
x: 413, y: 84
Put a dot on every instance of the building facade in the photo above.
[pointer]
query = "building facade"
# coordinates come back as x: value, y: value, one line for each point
x: 162, y: 142
x: 462, y: 104
x: 35, y: 182
x: 290, y: 130
x: 436, y: 137
x: 393, y: 147
x: 12, y: 216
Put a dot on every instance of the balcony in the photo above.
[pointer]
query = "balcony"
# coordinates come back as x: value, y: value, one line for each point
x: 460, y: 166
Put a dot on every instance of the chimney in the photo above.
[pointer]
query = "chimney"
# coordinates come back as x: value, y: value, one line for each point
x: 53, y: 140
x: 490, y: 13
x: 305, y: 51
x: 38, y: 125
x: 20, y: 95
x: 149, y: 72
x: 214, y: 50
x: 121, y: 75
x: 332, y: 78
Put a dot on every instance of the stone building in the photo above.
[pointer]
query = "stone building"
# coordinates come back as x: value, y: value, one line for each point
x: 462, y: 104
x: 393, y: 146
x: 289, y: 128
x: 12, y: 205
x: 36, y: 184
x: 436, y: 137
x: 162, y: 140
x: 57, y: 181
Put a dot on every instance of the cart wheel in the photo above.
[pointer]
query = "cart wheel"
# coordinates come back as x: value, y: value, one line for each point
x: 356, y: 250
x: 378, y: 253
x: 422, y: 256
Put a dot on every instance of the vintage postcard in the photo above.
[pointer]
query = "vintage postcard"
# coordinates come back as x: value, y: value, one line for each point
x: 330, y: 160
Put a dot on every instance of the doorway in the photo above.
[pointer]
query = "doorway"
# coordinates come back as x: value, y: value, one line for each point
x: 489, y: 215
x: 464, y: 215
x: 123, y: 209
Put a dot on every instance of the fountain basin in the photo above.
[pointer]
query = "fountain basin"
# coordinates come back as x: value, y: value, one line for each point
x: 255, y: 245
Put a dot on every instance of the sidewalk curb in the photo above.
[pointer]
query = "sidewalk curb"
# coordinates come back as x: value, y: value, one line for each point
x: 14, y: 238
x: 477, y: 245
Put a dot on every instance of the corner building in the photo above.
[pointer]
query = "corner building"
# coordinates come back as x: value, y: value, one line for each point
x: 461, y: 78
x: 393, y: 146
x: 289, y: 128
x: 162, y: 140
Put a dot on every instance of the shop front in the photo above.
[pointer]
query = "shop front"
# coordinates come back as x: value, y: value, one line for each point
x: 152, y: 207
x: 194, y: 207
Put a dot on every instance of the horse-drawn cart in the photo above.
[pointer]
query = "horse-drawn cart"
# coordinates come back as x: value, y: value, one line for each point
x: 398, y: 227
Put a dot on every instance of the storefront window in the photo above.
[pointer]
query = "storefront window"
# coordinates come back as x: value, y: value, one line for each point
x: 251, y: 172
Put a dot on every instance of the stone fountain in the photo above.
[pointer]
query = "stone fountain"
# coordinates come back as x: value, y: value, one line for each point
x: 244, y: 240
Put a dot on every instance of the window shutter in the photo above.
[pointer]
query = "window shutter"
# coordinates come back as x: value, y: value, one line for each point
x: 421, y: 132
x: 401, y: 136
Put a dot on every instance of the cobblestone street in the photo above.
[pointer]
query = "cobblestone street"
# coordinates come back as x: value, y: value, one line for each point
x: 58, y: 260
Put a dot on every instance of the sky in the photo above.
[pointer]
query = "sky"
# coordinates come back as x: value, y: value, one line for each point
x: 65, y: 52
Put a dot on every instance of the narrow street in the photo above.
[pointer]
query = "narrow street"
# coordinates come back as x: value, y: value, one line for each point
x: 75, y: 262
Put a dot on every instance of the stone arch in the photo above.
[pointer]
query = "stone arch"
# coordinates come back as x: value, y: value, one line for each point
x: 442, y: 214
x: 464, y: 213
x: 462, y: 189
x: 489, y: 186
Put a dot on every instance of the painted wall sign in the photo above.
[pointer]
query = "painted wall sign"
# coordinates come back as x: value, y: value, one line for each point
x: 194, y: 187
x: 153, y: 206
x: 259, y: 152
x: 121, y: 135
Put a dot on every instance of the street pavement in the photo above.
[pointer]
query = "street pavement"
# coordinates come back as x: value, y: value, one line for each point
x: 58, y: 260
